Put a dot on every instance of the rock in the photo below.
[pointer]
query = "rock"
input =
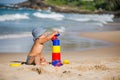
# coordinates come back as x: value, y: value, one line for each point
x: 24, y: 4
x: 34, y: 4
x: 40, y: 4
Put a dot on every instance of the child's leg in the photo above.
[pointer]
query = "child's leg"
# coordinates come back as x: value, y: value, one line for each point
x: 37, y: 60
x: 43, y: 60
x: 40, y: 60
x: 30, y: 60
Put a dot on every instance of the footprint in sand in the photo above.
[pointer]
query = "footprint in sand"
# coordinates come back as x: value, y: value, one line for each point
x: 39, y: 70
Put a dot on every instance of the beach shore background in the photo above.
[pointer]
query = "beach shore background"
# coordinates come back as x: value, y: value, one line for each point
x: 89, y: 39
x: 95, y: 64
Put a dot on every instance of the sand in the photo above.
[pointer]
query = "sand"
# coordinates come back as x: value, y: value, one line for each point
x: 95, y: 64
x: 110, y: 36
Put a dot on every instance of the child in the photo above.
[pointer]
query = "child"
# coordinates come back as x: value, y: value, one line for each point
x: 40, y: 37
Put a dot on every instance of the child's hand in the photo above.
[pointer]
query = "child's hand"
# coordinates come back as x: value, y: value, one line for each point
x: 55, y: 32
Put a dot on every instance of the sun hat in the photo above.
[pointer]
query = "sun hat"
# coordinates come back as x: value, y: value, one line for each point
x: 36, y: 32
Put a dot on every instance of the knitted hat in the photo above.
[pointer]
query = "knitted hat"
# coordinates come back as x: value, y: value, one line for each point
x: 36, y: 32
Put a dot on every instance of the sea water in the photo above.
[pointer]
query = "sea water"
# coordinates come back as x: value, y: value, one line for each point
x: 16, y: 26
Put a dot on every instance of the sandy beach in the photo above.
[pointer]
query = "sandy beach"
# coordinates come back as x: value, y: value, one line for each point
x: 95, y: 64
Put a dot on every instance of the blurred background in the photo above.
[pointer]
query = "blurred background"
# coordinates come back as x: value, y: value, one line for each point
x: 70, y: 17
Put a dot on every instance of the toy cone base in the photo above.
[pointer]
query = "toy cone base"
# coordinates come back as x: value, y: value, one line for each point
x: 57, y: 63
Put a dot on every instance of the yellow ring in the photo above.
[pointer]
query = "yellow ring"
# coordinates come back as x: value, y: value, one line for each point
x: 56, y: 49
x: 15, y: 64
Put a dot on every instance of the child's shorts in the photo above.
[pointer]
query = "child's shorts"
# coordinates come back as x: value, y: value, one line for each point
x: 30, y: 60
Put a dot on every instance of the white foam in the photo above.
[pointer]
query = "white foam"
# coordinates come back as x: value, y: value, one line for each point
x: 103, y: 18
x: 52, y: 15
x: 93, y: 17
x: 11, y: 36
x: 60, y: 29
x: 80, y: 19
x: 7, y: 17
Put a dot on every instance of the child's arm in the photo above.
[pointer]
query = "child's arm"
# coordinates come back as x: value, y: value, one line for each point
x: 47, y: 38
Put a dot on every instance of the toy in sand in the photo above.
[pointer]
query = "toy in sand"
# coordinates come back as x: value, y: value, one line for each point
x: 66, y: 62
x: 15, y: 64
x: 56, y: 56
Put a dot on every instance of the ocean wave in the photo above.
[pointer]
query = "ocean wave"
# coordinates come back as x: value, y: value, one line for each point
x: 60, y: 29
x: 7, y: 17
x: 11, y: 36
x: 80, y: 19
x: 52, y: 15
x: 93, y: 18
x: 28, y: 34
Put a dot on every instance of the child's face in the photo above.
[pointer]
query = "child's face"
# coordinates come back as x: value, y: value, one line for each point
x: 42, y: 36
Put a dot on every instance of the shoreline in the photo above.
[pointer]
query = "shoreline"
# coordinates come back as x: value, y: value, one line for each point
x: 60, y: 10
x: 44, y: 6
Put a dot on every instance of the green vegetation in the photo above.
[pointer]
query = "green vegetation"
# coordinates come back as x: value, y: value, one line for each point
x: 109, y: 5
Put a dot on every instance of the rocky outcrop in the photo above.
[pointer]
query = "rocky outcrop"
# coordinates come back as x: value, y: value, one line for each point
x: 39, y: 4
x: 34, y: 4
